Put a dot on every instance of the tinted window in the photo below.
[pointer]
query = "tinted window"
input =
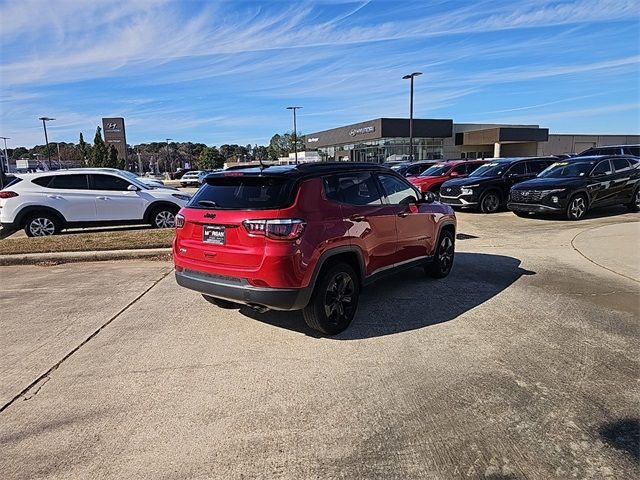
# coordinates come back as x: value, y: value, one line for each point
x: 632, y: 151
x: 42, y: 181
x: 109, y: 182
x: 602, y: 168
x: 491, y: 169
x: 567, y: 169
x: 435, y: 171
x: 537, y: 166
x: 472, y: 167
x: 244, y: 193
x: 352, y: 188
x: 12, y: 181
x: 69, y: 182
x: 397, y: 191
x: 620, y: 164
x: 460, y: 169
x: 518, y: 169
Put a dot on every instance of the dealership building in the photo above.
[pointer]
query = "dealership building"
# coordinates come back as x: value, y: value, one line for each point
x: 387, y: 139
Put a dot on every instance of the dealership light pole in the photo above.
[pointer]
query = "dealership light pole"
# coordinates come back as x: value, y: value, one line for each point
x: 46, y: 139
x: 295, y: 133
x: 410, y: 77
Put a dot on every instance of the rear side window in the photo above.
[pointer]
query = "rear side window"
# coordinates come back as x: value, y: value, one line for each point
x: 472, y: 166
x: 603, y: 168
x: 13, y: 181
x: 518, y: 169
x: 352, y: 188
x: 635, y: 151
x: 64, y: 182
x: 244, y: 193
x: 537, y: 166
x: 620, y: 164
x: 42, y: 181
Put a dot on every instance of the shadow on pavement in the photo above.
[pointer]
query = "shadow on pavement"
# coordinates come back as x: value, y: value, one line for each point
x: 598, y: 212
x: 410, y: 300
x: 623, y: 435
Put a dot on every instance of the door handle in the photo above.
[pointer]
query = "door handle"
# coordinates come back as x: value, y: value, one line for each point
x: 403, y: 214
x: 103, y: 198
x: 54, y: 196
x: 357, y: 218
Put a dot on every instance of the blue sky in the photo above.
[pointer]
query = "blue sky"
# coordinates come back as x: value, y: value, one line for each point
x: 223, y: 72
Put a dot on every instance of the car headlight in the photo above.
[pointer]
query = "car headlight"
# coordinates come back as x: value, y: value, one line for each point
x: 468, y: 190
x: 181, y: 196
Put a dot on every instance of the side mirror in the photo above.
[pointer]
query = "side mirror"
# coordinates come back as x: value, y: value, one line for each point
x: 428, y: 197
x: 132, y: 188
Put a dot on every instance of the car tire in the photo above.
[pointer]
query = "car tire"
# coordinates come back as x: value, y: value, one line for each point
x: 634, y: 205
x: 334, y: 300
x: 163, y: 217
x: 577, y: 207
x: 444, y: 256
x: 42, y: 225
x: 221, y: 303
x: 490, y: 202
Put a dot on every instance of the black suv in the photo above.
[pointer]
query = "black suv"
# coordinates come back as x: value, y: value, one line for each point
x: 612, y: 150
x: 487, y: 187
x: 412, y: 169
x: 571, y: 187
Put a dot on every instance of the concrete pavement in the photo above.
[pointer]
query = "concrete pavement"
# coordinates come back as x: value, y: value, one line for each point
x: 522, y: 364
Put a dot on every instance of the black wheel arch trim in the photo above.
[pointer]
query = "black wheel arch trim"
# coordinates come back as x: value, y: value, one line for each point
x: 159, y: 203
x: 333, y: 252
x: 30, y: 210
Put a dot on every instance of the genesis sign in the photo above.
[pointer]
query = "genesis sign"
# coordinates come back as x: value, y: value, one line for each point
x: 361, y: 130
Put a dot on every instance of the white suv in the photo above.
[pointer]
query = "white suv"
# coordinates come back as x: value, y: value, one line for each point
x: 45, y: 203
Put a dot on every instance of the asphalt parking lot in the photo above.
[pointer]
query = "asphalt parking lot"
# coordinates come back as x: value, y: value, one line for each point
x: 523, y: 363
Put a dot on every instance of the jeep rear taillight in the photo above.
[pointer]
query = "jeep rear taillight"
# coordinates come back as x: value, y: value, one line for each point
x: 277, y: 228
x: 7, y: 194
x: 179, y: 220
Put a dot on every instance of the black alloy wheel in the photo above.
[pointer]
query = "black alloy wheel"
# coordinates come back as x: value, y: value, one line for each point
x: 334, y: 301
x: 490, y: 202
x: 577, y: 207
x: 445, y: 254
x: 634, y: 206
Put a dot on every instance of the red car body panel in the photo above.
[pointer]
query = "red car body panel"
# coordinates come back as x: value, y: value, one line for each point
x: 433, y: 183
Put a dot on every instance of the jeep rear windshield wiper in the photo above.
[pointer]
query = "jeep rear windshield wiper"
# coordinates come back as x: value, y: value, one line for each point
x: 208, y: 203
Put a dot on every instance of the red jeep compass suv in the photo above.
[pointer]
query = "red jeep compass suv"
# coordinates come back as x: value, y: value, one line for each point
x: 307, y: 237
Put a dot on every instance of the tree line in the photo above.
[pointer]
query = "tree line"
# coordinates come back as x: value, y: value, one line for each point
x: 160, y: 156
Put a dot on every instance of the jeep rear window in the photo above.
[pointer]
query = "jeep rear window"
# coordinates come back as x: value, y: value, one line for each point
x: 244, y: 193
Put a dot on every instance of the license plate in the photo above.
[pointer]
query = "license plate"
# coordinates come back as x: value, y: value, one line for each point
x: 213, y: 234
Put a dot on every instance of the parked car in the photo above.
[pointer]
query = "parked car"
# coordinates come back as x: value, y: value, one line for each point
x: 191, y: 179
x: 47, y: 202
x: 612, y: 150
x: 487, y: 187
x: 308, y: 237
x: 203, y: 175
x: 411, y: 169
x: 433, y: 177
x: 574, y: 186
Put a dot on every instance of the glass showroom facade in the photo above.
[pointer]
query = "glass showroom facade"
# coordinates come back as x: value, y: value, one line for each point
x: 381, y: 140
x: 384, y: 150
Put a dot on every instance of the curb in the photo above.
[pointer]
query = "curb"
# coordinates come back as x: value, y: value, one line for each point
x: 74, y: 257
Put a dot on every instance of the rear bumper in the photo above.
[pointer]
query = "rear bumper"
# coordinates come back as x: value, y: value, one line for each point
x: 238, y: 290
x: 533, y: 208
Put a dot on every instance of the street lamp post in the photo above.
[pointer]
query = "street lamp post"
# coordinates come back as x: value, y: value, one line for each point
x: 410, y: 77
x: 295, y: 133
x: 6, y: 159
x: 46, y: 139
